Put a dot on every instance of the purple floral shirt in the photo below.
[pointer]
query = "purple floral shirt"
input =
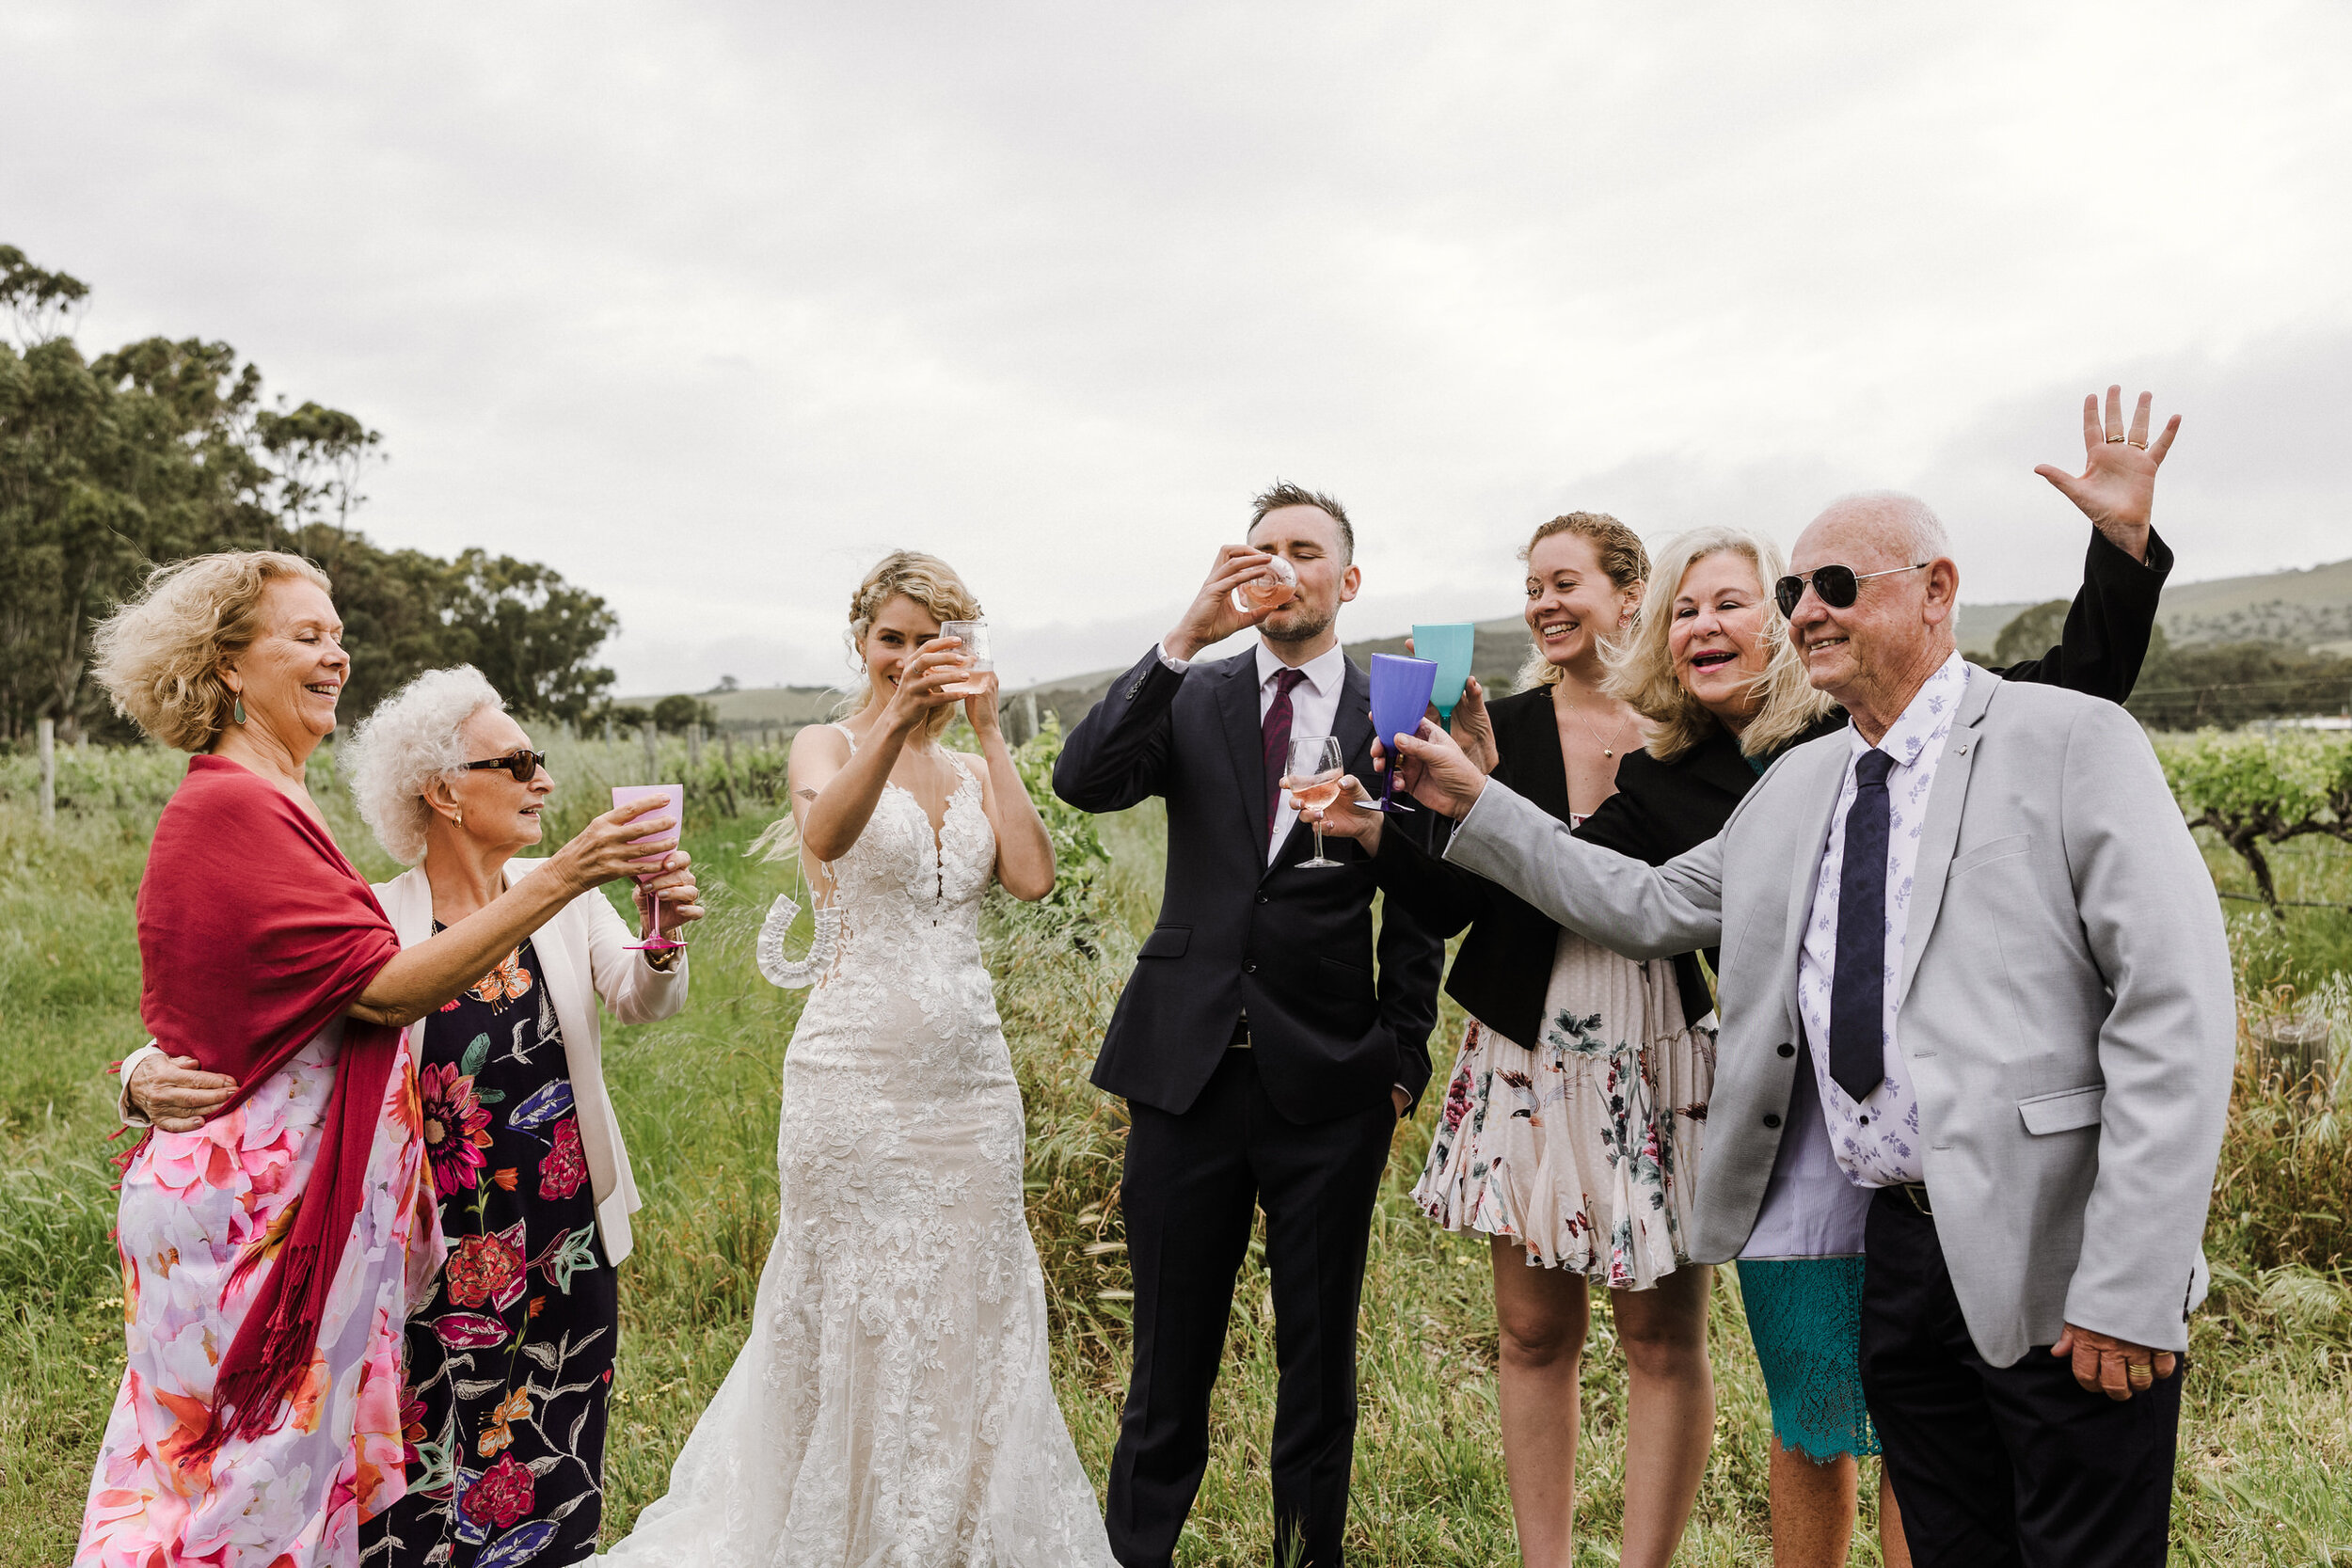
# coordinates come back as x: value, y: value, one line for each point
x: 1877, y: 1140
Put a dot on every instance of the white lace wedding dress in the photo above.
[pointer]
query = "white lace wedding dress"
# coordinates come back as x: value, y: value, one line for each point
x: 892, y: 1407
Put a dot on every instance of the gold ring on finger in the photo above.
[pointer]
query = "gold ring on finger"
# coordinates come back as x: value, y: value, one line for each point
x: 2138, y: 1371
x: 2114, y: 440
x: 2141, y: 445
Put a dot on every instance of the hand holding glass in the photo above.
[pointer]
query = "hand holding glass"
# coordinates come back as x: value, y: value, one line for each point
x: 975, y: 652
x: 1275, y: 586
x: 1312, y: 777
x: 1451, y: 646
x: 657, y: 845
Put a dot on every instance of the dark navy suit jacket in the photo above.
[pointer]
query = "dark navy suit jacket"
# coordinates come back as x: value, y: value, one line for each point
x: 1334, y: 1027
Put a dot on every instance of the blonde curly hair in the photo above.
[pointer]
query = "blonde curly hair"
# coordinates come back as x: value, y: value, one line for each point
x: 158, y: 655
x: 1642, y: 670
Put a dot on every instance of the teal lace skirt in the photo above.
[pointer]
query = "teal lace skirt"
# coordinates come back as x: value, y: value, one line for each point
x: 1806, y: 1317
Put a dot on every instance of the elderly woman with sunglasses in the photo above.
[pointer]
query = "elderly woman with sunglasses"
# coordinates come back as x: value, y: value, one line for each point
x: 509, y: 1359
x: 1710, y: 667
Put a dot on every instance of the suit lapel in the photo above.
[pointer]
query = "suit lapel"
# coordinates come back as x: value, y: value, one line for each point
x: 1353, y: 722
x: 1542, y: 768
x: 1941, y: 833
x: 1238, y: 702
x: 1805, y: 866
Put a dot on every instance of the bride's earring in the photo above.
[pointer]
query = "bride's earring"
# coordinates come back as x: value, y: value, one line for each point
x: 239, y: 713
x: 793, y: 974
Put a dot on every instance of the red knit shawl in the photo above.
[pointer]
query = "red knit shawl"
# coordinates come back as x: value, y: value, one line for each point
x: 254, y: 932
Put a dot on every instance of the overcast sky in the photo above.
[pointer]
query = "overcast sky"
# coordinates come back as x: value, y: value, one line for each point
x: 707, y: 305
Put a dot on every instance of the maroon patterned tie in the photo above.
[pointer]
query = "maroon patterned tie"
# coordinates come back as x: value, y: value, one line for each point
x: 1275, y: 731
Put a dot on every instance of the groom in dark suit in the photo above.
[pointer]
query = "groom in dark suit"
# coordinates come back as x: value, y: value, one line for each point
x: 1264, y: 1062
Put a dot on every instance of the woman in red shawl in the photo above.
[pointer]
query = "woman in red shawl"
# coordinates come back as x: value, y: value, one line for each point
x: 270, y: 1253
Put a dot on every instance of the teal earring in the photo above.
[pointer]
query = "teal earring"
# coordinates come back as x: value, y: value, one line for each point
x: 240, y: 712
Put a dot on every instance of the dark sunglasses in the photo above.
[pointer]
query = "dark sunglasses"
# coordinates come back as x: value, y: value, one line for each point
x: 523, y: 766
x: 1838, y: 585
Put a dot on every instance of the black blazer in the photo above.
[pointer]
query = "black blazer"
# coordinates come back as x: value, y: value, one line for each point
x: 1663, y: 808
x: 1293, y: 948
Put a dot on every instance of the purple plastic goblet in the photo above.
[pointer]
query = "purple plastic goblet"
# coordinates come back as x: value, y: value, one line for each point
x: 1399, y: 695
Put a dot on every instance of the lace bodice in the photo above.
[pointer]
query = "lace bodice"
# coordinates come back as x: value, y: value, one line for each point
x: 900, y: 882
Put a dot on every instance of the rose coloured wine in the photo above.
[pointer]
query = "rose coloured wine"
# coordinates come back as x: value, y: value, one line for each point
x: 1275, y: 586
x: 1318, y: 792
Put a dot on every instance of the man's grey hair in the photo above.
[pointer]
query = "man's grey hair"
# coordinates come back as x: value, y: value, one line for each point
x: 413, y: 737
x: 1923, y: 529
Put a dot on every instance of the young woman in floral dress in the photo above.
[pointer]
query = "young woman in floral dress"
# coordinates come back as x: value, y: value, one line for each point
x: 1569, y: 1138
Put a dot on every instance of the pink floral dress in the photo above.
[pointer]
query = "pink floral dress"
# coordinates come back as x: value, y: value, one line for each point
x: 196, y: 1206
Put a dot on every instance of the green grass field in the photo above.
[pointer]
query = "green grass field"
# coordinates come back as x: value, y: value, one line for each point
x: 2266, y: 1442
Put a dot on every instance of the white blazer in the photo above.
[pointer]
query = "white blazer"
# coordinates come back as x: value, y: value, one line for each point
x: 583, y: 954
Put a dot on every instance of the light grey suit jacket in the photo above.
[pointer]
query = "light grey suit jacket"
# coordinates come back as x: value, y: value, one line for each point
x: 2065, y: 1005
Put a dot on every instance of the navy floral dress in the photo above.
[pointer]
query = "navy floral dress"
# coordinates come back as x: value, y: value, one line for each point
x: 510, y: 1362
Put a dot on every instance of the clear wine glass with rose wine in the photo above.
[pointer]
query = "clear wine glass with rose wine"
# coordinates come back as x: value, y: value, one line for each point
x: 1276, y: 585
x: 1312, y: 777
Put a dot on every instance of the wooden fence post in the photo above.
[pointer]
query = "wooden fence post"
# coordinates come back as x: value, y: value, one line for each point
x: 695, y: 744
x: 653, y: 753
x: 49, y: 772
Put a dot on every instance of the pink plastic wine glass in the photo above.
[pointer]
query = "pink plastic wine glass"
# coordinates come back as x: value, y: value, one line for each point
x: 655, y: 845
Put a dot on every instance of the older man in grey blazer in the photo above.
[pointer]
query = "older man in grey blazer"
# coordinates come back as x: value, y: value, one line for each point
x: 1976, y: 918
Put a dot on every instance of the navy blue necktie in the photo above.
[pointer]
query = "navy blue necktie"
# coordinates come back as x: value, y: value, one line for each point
x: 1858, y: 992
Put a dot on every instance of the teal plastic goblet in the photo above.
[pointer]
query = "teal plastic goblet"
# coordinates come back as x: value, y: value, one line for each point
x: 1449, y: 645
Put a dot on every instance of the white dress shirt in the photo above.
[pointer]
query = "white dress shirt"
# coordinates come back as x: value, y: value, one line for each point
x: 1876, y: 1141
x: 1314, y: 710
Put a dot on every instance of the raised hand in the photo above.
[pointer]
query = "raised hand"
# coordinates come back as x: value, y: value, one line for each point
x: 607, y: 849
x: 922, y: 685
x: 1473, y: 727
x: 1211, y: 617
x: 980, y: 705
x: 2117, y: 488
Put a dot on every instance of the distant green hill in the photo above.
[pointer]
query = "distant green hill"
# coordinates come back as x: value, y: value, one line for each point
x: 2298, y: 609
x: 2307, y: 609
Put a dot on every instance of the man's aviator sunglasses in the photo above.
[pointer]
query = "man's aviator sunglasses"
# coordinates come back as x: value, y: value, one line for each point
x: 1838, y: 585
x: 524, y: 766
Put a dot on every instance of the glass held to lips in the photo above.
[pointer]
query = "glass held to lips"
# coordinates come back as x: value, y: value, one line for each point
x: 974, y: 655
x: 1276, y: 585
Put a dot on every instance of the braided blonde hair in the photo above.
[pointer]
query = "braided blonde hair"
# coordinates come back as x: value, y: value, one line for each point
x: 1622, y: 559
x: 930, y: 582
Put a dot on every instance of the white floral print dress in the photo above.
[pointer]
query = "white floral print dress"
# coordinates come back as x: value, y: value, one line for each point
x: 1584, y: 1148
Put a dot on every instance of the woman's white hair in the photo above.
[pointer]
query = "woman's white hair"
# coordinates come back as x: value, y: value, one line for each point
x: 415, y: 736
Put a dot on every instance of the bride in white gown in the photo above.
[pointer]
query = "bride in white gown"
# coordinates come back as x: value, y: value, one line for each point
x: 893, y: 1407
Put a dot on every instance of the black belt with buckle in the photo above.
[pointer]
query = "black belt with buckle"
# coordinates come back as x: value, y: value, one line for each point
x: 1917, y: 1193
